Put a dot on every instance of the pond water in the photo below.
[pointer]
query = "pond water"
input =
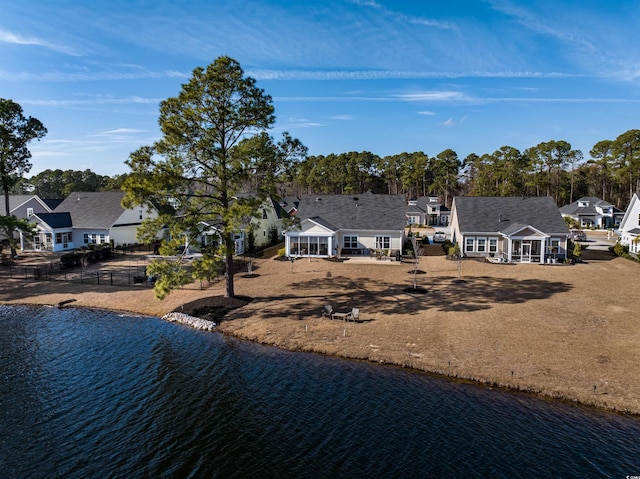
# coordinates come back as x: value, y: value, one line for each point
x: 96, y: 394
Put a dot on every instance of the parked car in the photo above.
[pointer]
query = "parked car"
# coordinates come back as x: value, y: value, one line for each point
x: 439, y: 237
x: 577, y: 235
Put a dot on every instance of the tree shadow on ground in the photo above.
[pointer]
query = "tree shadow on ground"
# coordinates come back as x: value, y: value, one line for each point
x: 597, y: 255
x: 444, y: 294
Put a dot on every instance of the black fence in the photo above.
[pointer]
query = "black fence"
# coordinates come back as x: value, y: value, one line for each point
x: 120, y: 276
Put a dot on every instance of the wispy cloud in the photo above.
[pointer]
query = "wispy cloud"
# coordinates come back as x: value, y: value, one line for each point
x: 450, y: 122
x: 15, y: 39
x: 428, y: 22
x: 427, y: 113
x: 399, y: 75
x: 301, y: 123
x: 343, y: 117
x: 432, y: 96
x: 93, y: 101
x: 83, y: 76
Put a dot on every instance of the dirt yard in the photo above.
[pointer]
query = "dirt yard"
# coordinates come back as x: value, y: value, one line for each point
x: 565, y: 332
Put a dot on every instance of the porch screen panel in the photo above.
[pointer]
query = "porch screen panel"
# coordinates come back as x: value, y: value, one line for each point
x: 323, y: 245
x: 313, y: 245
x: 294, y: 245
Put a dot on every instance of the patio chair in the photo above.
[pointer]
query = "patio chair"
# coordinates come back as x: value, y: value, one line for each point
x: 327, y: 310
x: 354, y: 315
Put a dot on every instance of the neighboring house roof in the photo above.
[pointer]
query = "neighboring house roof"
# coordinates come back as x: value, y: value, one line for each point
x: 52, y: 203
x: 365, y: 211
x: 55, y: 220
x: 279, y: 210
x: 290, y: 203
x: 93, y: 209
x: 15, y: 201
x: 495, y: 214
x: 577, y: 209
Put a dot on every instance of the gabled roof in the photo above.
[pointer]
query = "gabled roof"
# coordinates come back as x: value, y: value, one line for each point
x: 574, y: 209
x: 16, y: 201
x: 93, y: 209
x: 55, y: 220
x: 290, y: 203
x: 365, y: 211
x: 52, y: 203
x: 493, y: 214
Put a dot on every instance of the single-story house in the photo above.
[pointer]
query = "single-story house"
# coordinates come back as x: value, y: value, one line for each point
x: 342, y: 225
x: 96, y: 217
x: 427, y: 211
x: 54, y: 233
x: 592, y: 212
x: 512, y: 229
x: 629, y: 229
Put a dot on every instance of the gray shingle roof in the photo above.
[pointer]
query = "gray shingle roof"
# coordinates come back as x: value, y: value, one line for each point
x: 364, y: 211
x: 500, y: 214
x: 93, y: 209
x: 573, y: 209
x: 56, y: 220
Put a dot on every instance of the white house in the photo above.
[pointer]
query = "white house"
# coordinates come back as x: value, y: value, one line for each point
x: 427, y: 211
x: 592, y: 212
x: 629, y: 229
x: 96, y: 217
x: 344, y: 225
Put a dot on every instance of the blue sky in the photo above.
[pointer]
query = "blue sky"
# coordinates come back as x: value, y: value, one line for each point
x: 386, y: 76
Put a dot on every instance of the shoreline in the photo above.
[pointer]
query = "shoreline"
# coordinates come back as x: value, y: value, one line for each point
x: 214, y: 328
x: 565, y: 333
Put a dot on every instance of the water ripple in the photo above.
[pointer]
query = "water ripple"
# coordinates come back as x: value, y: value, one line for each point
x: 93, y: 394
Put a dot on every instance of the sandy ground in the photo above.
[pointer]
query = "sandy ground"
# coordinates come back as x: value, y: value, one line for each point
x: 563, y: 332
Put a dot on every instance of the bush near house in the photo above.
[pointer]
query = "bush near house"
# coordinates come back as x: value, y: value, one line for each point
x: 623, y: 251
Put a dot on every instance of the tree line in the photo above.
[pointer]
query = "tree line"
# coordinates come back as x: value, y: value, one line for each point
x: 550, y: 168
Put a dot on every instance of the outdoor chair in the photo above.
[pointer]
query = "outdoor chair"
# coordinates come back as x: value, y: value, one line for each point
x: 327, y: 310
x: 354, y: 315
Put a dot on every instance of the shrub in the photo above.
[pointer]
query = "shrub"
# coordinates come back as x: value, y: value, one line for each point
x: 70, y: 259
x: 454, y: 251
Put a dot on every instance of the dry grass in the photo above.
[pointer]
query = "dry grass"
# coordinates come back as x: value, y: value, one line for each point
x: 566, y: 332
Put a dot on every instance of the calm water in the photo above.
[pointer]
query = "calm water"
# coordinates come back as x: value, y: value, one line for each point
x: 88, y: 394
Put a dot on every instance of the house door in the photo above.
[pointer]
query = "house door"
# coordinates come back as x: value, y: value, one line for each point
x: 65, y: 240
x: 37, y: 243
x: 526, y: 252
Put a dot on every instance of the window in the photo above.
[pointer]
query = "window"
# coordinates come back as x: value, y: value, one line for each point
x: 47, y: 238
x: 469, y: 244
x: 140, y: 214
x: 86, y: 238
x: 350, y: 242
x: 103, y: 238
x: 29, y: 212
x: 383, y: 242
x: 482, y: 245
x: 554, y: 247
x: 264, y: 214
x: 493, y: 245
x: 58, y: 238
